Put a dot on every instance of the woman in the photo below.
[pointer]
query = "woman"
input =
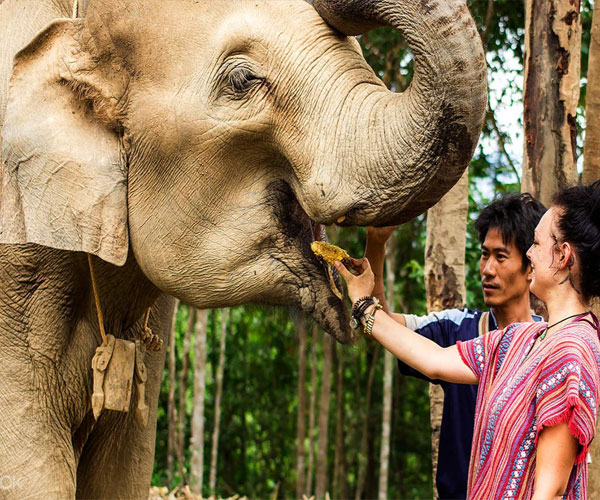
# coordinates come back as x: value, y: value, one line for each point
x: 538, y: 382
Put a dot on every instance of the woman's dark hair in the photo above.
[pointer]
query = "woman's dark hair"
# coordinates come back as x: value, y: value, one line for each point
x: 515, y: 216
x: 579, y: 223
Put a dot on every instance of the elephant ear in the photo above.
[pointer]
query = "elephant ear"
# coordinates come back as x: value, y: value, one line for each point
x: 64, y: 177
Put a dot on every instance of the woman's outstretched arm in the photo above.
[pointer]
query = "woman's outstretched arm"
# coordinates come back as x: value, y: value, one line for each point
x: 435, y: 362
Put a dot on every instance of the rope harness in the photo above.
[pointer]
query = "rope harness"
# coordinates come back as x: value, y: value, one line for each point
x: 118, y: 363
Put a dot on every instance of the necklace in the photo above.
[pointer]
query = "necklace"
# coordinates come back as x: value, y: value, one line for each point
x: 543, y: 335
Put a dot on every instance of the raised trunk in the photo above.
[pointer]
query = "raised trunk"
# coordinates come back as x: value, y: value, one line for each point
x: 550, y: 95
x: 413, y: 146
x: 197, y: 427
x: 321, y: 476
x: 301, y: 431
x: 212, y: 480
x: 591, y: 150
x: 388, y: 378
x: 445, y: 277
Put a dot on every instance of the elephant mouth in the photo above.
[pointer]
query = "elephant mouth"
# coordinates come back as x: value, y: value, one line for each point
x: 316, y: 286
x: 335, y: 284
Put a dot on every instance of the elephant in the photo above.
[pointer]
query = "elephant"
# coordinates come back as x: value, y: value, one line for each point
x: 194, y: 149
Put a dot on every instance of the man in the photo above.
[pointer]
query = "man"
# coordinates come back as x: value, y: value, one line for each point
x: 505, y: 229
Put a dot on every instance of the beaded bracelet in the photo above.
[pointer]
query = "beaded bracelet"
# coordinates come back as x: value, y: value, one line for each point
x: 358, y: 309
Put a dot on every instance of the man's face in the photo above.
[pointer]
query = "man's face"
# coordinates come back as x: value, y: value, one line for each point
x: 501, y: 267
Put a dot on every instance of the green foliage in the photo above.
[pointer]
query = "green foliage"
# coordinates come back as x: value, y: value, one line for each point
x: 259, y: 407
x: 258, y: 428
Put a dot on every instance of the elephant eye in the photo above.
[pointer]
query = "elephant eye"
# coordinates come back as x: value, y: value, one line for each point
x: 242, y: 80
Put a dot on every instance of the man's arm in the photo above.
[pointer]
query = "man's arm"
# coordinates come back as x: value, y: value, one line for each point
x: 377, y: 238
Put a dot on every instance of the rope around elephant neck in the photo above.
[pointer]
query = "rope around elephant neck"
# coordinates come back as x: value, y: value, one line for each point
x: 75, y: 9
x: 150, y: 340
x: 147, y: 318
x: 97, y: 300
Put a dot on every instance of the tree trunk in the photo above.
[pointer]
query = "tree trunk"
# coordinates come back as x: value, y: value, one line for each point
x: 550, y: 94
x: 594, y: 467
x: 212, y: 480
x: 339, y: 467
x: 311, y: 411
x: 301, y: 430
x: 591, y: 150
x: 197, y: 427
x: 445, y: 276
x: 591, y: 172
x: 182, y: 393
x: 364, y: 442
x: 321, y: 475
x: 388, y: 378
x: 172, y: 411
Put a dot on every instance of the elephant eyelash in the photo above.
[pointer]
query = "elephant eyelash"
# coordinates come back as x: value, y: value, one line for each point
x: 242, y: 80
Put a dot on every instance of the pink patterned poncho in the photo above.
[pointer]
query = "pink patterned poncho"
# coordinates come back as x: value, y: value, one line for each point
x: 520, y: 394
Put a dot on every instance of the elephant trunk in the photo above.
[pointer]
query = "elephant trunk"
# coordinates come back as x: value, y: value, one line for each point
x: 405, y: 151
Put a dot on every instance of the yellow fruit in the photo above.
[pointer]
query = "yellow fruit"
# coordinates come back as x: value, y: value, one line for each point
x: 328, y: 252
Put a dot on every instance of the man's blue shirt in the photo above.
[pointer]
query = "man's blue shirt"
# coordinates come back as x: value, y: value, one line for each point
x: 445, y: 328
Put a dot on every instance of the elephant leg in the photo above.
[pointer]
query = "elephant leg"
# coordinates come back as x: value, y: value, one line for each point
x: 36, y: 454
x: 117, y: 459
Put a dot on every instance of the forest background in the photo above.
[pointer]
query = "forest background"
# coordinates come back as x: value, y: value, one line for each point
x: 282, y: 409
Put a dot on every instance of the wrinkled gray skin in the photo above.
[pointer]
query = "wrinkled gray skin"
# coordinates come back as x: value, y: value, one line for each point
x: 195, y: 148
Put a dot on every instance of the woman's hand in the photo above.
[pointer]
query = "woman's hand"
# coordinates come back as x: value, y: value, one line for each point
x: 362, y: 283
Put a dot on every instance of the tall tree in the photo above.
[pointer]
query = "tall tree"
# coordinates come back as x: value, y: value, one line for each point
x: 339, y: 464
x: 212, y: 479
x: 365, y: 436
x: 591, y: 151
x: 301, y: 431
x: 321, y: 475
x: 183, y: 374
x: 445, y: 274
x: 388, y: 378
x: 550, y: 95
x: 172, y: 441
x: 197, y: 426
x: 591, y: 172
x: 311, y: 410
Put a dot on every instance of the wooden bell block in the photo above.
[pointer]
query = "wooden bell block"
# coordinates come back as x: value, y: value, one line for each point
x: 119, y: 376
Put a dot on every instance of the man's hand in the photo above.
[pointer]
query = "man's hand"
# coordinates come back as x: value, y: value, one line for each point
x: 359, y: 284
x: 377, y: 238
x: 380, y: 235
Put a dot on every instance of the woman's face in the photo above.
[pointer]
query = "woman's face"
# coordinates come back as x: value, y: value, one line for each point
x: 544, y: 255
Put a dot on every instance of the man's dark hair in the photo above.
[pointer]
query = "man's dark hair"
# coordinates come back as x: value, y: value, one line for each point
x: 515, y: 216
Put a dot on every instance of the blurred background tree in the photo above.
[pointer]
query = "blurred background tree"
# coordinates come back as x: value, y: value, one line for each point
x: 258, y: 445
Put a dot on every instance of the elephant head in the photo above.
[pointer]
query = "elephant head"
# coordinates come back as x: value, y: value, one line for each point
x: 213, y: 139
